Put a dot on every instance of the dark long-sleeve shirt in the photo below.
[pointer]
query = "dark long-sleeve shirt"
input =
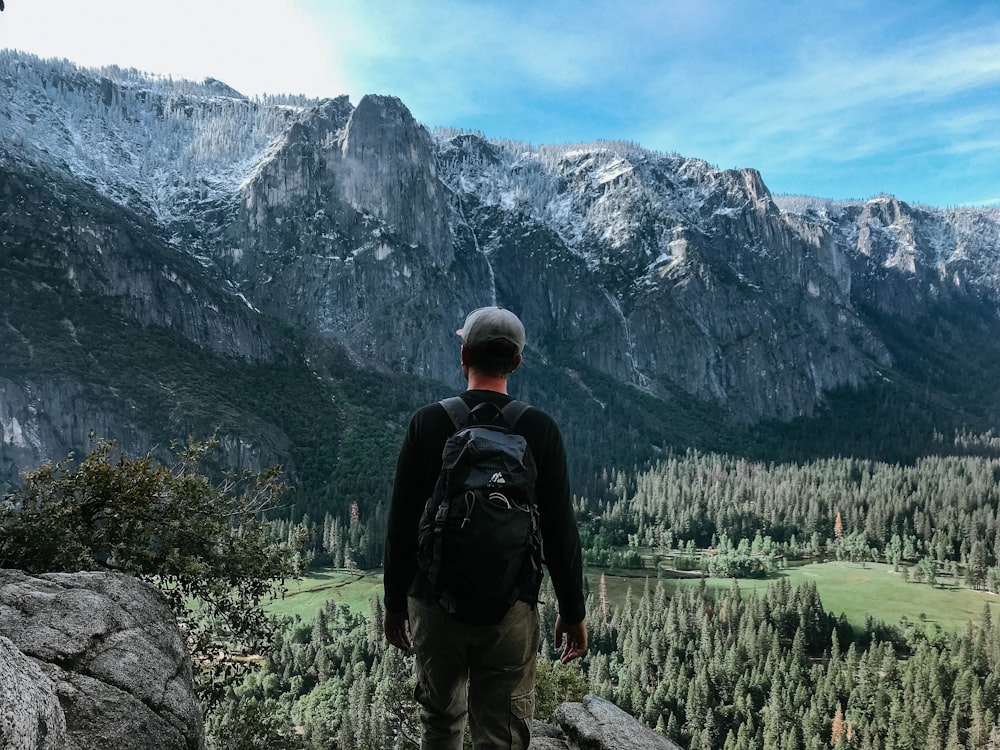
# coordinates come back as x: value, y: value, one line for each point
x: 416, y: 474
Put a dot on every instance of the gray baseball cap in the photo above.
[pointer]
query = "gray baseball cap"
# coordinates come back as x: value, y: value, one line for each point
x: 490, y: 324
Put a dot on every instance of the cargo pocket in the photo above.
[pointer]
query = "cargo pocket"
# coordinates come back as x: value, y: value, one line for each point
x: 523, y: 706
x: 522, y: 710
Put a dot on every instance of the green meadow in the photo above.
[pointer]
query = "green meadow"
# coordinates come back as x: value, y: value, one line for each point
x: 878, y: 590
x: 851, y: 589
x: 305, y: 596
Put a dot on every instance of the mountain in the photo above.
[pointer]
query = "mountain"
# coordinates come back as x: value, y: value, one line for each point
x: 177, y: 258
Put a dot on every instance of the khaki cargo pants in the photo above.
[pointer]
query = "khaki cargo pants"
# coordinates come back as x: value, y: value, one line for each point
x: 485, y: 671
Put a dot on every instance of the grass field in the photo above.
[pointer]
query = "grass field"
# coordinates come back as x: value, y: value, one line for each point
x: 849, y: 589
x: 846, y: 588
x: 305, y: 596
x: 855, y: 591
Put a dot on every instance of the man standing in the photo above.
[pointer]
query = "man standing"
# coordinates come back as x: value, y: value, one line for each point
x: 485, y: 670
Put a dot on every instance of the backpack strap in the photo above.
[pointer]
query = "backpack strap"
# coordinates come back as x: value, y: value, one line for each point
x: 459, y: 411
x: 513, y: 411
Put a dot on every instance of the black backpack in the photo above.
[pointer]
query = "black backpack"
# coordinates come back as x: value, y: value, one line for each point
x: 479, y: 544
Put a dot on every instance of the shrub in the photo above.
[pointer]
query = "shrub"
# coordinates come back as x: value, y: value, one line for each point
x: 203, y: 541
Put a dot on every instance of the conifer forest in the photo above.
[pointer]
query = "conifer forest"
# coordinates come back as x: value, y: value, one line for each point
x: 713, y: 667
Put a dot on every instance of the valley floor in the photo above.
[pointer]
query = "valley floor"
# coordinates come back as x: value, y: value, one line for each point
x: 853, y: 589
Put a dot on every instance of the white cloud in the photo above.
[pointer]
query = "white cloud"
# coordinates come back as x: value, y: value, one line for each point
x: 839, y: 105
x: 253, y: 45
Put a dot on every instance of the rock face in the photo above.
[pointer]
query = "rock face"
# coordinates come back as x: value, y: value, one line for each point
x: 596, y: 724
x: 32, y: 718
x: 73, y: 266
x: 193, y: 208
x: 74, y: 237
x: 664, y: 272
x: 344, y: 229
x: 93, y: 661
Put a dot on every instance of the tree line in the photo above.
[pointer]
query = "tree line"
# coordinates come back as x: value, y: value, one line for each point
x: 774, y: 670
x: 946, y: 508
x: 940, y: 514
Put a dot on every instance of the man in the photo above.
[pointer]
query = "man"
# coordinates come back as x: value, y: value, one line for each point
x: 485, y: 671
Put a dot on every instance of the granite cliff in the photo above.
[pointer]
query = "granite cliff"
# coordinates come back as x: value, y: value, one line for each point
x: 297, y: 238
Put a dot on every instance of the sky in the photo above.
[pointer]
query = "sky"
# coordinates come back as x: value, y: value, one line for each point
x: 840, y: 99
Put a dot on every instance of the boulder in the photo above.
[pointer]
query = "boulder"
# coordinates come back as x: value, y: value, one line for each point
x: 32, y: 718
x: 596, y: 724
x: 108, y: 648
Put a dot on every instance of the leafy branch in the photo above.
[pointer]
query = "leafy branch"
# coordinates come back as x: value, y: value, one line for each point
x: 205, y: 542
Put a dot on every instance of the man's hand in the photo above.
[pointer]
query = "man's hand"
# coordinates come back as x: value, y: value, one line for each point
x: 576, y: 639
x: 397, y: 629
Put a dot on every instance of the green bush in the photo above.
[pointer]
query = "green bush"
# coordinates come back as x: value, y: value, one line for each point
x: 203, y: 541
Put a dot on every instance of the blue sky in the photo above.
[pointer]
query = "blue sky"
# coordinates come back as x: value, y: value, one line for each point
x: 837, y: 99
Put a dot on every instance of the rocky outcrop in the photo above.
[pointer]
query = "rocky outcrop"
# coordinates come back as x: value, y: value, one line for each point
x: 596, y: 724
x: 32, y: 718
x: 107, y: 647
x: 344, y: 229
x: 388, y: 170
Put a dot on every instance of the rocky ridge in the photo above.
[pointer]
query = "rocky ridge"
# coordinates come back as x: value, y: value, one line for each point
x: 190, y: 207
x: 596, y: 724
x: 92, y: 660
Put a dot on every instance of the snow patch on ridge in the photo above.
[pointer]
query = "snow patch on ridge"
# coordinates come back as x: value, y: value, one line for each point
x: 156, y: 145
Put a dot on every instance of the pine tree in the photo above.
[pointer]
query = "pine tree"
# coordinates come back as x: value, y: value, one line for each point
x: 603, y: 598
x: 837, y: 729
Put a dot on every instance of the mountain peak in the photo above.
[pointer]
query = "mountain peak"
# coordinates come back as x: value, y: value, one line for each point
x: 224, y: 89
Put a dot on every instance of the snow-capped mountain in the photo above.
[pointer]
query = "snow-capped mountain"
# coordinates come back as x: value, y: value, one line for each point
x: 194, y: 209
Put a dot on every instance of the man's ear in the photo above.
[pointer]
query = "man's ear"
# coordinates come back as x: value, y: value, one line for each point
x: 517, y: 361
x: 464, y: 355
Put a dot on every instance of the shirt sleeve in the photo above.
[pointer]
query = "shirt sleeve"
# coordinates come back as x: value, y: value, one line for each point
x: 400, y: 562
x: 560, y: 535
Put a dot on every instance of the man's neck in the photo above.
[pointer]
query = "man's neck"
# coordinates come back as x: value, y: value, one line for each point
x: 479, y: 382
